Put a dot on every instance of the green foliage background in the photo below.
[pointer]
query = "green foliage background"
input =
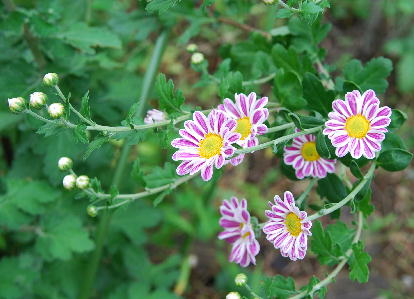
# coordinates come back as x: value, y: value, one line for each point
x: 101, y: 49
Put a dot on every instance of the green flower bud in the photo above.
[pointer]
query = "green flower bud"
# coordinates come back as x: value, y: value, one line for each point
x: 82, y: 182
x: 69, y: 181
x: 17, y: 104
x: 240, y: 279
x: 65, y: 163
x: 37, y: 100
x: 192, y: 48
x: 233, y: 295
x: 92, y: 211
x: 268, y: 1
x: 51, y: 79
x: 56, y: 110
x: 197, y: 58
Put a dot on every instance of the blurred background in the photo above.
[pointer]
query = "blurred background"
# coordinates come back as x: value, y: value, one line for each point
x: 104, y: 47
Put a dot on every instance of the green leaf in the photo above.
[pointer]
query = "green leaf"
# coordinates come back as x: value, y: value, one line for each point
x: 94, y: 145
x: 324, y: 146
x: 371, y: 76
x: 359, y: 263
x: 24, y: 198
x: 230, y: 84
x: 279, y: 287
x: 312, y: 283
x: 170, y: 99
x: 288, y: 90
x: 160, y: 197
x: 341, y: 235
x: 311, y: 8
x: 85, y: 38
x: 161, y: 176
x: 398, y: 118
x: 62, y: 235
x: 308, y: 122
x: 364, y: 205
x: 85, y: 109
x: 355, y: 170
x: 291, y: 61
x: 332, y: 188
x: 80, y: 134
x: 161, y: 6
x: 50, y: 129
x: 323, y: 246
x: 318, y: 98
x: 395, y: 159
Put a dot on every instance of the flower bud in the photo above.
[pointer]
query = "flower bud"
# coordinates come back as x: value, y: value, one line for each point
x: 240, y: 279
x: 197, y: 58
x: 65, y: 163
x: 17, y: 104
x: 51, y: 79
x: 37, y: 100
x: 192, y: 48
x: 69, y: 181
x: 268, y: 1
x: 154, y: 116
x: 92, y: 211
x: 82, y: 182
x: 233, y: 295
x: 56, y: 110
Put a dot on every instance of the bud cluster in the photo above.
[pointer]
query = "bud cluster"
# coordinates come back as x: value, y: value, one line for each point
x: 71, y: 180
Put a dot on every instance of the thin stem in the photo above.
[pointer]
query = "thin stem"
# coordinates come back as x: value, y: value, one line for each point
x: 348, y: 198
x: 284, y: 5
x: 280, y: 128
x: 252, y: 292
x: 35, y: 115
x: 276, y: 141
x: 244, y: 27
x: 339, y: 267
x: 328, y: 81
x: 260, y: 81
x: 131, y: 197
x: 305, y: 194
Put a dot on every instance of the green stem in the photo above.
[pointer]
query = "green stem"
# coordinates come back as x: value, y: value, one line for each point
x: 106, y: 218
x: 276, y: 141
x: 338, y: 268
x: 348, y: 198
x: 302, y: 197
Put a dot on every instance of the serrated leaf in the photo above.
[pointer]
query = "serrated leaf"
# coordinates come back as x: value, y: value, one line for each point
x: 94, y: 145
x: 50, y: 129
x: 371, y: 76
x: 341, y: 235
x: 358, y: 263
x: 230, y: 84
x: 279, y: 287
x: 288, y: 90
x: 332, y: 188
x: 80, y: 134
x: 161, y: 6
x: 62, y: 235
x: 323, y: 246
x: 161, y: 176
x: 170, y: 99
x: 85, y: 108
x: 364, y: 205
x: 318, y: 98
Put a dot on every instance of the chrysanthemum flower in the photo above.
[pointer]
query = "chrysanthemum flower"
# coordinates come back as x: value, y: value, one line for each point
x: 304, y: 158
x: 357, y: 125
x: 238, y: 231
x: 288, y: 228
x: 250, y: 115
x: 206, y: 142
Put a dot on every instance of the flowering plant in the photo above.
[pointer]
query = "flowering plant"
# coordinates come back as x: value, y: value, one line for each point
x: 271, y: 97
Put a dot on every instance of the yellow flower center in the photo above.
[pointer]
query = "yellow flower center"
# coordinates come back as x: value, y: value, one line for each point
x: 246, y: 235
x: 210, y: 146
x: 309, y: 152
x: 293, y: 225
x: 244, y: 127
x: 357, y: 126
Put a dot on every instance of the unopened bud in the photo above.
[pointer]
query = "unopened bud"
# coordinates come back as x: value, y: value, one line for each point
x: 197, y: 58
x: 233, y: 295
x: 37, y: 100
x: 154, y: 116
x: 51, y: 79
x: 82, y: 182
x: 65, y: 163
x: 268, y: 1
x: 17, y: 104
x: 69, y: 181
x: 192, y: 48
x: 92, y: 211
x: 56, y: 110
x: 240, y: 279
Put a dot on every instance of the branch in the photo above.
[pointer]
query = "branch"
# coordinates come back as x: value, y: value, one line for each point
x: 339, y: 267
x: 244, y: 27
x: 348, y: 198
x: 284, y: 5
x: 308, y: 189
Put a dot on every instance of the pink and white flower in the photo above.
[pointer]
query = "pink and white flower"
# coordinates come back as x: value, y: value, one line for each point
x: 154, y: 116
x: 206, y: 143
x: 288, y: 228
x: 238, y: 231
x: 357, y: 125
x: 304, y: 158
x: 250, y: 115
